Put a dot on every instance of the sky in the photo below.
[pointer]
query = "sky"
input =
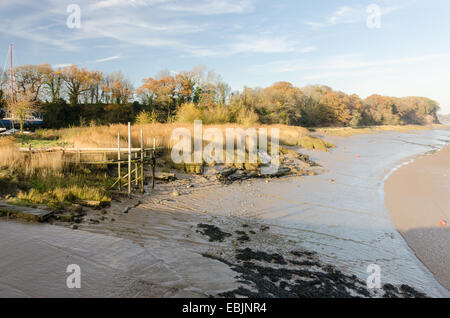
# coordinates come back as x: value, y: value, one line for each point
x: 389, y: 47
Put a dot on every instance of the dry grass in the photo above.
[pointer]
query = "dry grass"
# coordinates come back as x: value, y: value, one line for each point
x: 19, y: 161
x: 46, y: 176
x: 106, y: 136
x: 349, y: 131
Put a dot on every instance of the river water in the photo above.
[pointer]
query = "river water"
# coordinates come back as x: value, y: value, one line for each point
x: 345, y: 221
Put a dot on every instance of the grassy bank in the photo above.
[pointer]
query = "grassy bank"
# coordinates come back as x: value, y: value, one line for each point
x: 349, y: 131
x: 106, y: 136
x: 46, y: 178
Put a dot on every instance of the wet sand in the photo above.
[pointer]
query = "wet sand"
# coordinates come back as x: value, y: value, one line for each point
x: 418, y: 198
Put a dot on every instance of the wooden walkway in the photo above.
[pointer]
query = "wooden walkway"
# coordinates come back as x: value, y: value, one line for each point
x: 22, y: 212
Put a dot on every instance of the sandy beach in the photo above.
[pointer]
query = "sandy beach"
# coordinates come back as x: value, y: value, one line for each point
x: 299, y: 236
x: 418, y: 199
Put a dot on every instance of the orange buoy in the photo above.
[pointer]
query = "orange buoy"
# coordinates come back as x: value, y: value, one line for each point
x: 443, y: 223
x: 358, y: 156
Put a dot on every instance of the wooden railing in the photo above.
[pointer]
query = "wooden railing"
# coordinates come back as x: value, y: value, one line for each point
x: 137, y: 157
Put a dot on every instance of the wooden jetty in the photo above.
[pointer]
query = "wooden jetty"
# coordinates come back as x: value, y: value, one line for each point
x: 133, y: 158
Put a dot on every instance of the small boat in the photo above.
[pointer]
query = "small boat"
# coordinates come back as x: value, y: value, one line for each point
x: 30, y: 121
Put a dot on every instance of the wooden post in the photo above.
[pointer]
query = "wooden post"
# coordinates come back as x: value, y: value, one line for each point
x: 142, y: 160
x: 118, y: 163
x: 153, y: 162
x: 136, y: 167
x: 129, y: 159
x: 31, y: 153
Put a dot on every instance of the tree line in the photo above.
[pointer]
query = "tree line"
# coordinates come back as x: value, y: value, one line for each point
x: 77, y: 96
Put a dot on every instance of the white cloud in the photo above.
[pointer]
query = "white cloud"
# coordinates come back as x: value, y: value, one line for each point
x: 106, y: 59
x: 266, y: 44
x: 118, y: 20
x: 56, y: 66
x: 119, y: 3
x: 307, y: 49
x: 350, y: 14
x: 210, y: 7
x: 263, y: 45
x: 339, y: 63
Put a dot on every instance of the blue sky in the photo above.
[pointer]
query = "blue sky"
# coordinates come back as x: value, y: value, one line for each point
x: 248, y: 42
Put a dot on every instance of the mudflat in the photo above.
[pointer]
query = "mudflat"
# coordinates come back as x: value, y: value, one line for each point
x: 418, y: 200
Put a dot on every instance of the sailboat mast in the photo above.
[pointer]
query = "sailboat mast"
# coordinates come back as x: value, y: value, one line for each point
x: 11, y: 73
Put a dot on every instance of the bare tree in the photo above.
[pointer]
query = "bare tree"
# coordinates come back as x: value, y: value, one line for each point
x: 31, y: 78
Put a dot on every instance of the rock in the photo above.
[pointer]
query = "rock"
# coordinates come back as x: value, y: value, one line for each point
x: 166, y: 176
x: 331, y: 180
x: 306, y: 159
x: 251, y: 166
x: 227, y: 172
x: 282, y: 171
x: 74, y: 227
x: 76, y: 209
x: 225, y: 175
x: 175, y: 193
x: 65, y: 217
x: 93, y: 204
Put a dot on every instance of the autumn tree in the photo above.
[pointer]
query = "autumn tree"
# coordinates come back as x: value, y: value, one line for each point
x: 201, y: 93
x: 117, y: 89
x: 23, y: 107
x: 160, y: 94
x: 2, y: 103
x: 339, y: 109
x: 316, y: 92
x: 3, y: 93
x: 77, y: 81
x: 281, y: 102
x: 185, y: 84
x: 417, y: 110
x: 29, y: 79
x: 93, y: 92
x: 380, y: 110
x: 53, y: 85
